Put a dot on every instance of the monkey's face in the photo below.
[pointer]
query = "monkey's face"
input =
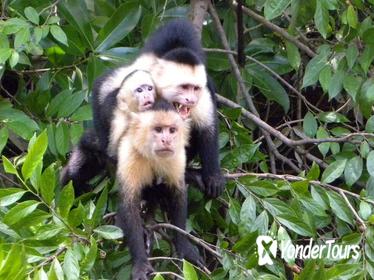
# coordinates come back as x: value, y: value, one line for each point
x: 164, y: 139
x: 159, y: 134
x: 138, y: 93
x: 145, y: 96
x: 181, y: 85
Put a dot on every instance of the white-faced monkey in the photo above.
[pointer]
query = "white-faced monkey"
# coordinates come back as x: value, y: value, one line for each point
x: 152, y: 148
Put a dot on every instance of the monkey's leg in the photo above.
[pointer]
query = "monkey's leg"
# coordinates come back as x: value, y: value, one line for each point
x: 177, y: 211
x: 131, y: 223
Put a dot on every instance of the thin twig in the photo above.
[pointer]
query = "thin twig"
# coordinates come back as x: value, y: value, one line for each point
x: 358, y: 218
x: 198, y: 241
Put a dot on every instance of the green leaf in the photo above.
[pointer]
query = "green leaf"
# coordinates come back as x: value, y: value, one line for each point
x: 321, y: 18
x: 323, y: 147
x: 353, y: 170
x: 3, y: 138
x: 4, y: 54
x: 158, y: 276
x: 20, y: 211
x: 370, y: 163
x: 77, y: 14
x: 270, y: 87
x: 365, y: 210
x: 109, y: 232
x: 336, y: 84
x: 293, y: 55
x: 364, y: 149
x: 35, y: 155
x: 32, y: 15
x: 8, y: 166
x: 21, y: 38
x: 89, y: 260
x: 62, y: 138
x: 9, y: 196
x: 56, y: 104
x: 66, y: 200
x: 84, y: 113
x: 189, y: 272
x: 314, y: 172
x: 352, y: 17
x: 14, y: 58
x: 48, y: 184
x: 351, y: 55
x: 70, y: 104
x: 274, y: 8
x: 71, y: 265
x: 315, y: 65
x: 340, y: 208
x: 352, y: 84
x: 295, y: 224
x: 122, y: 22
x: 333, y: 171
x: 248, y: 210
x: 100, y: 208
x: 55, y: 271
x: 59, y: 34
x: 325, y: 77
x: 14, y: 265
x: 369, y: 127
x: 310, y: 124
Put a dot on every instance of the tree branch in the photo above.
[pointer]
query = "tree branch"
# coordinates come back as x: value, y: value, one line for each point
x: 278, y: 30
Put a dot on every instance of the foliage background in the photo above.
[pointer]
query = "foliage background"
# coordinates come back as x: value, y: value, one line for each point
x: 309, y: 173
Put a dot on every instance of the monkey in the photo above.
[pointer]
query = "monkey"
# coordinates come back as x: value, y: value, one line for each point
x: 152, y: 148
x: 136, y: 93
x: 174, y: 56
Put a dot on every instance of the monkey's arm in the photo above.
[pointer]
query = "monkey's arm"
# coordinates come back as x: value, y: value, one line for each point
x: 208, y: 151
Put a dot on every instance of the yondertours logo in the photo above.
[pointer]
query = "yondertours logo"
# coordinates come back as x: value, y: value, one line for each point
x: 267, y: 250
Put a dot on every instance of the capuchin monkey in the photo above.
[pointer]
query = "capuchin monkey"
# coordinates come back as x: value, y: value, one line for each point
x: 136, y: 93
x: 174, y: 57
x: 153, y: 148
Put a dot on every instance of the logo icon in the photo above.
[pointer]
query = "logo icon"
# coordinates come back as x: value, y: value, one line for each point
x: 267, y: 249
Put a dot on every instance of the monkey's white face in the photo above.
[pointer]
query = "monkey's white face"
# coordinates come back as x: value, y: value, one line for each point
x: 164, y: 140
x: 180, y: 84
x: 145, y: 95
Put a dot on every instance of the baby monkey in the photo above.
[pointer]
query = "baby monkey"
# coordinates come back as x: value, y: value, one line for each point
x: 153, y: 147
x: 137, y: 93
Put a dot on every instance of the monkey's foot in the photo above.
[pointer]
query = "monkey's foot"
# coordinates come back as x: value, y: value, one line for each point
x: 191, y: 254
x: 141, y: 270
x: 214, y: 185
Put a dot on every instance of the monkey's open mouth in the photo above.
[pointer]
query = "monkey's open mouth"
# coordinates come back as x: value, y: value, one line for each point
x: 164, y: 152
x: 183, y: 110
x: 145, y: 106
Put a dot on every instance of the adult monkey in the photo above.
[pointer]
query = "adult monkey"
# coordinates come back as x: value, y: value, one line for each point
x: 174, y: 57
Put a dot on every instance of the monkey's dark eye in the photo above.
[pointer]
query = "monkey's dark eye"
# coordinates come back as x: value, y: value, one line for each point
x: 185, y: 86
x: 172, y: 130
x: 139, y: 89
x: 150, y: 88
x: 196, y: 88
x: 158, y: 129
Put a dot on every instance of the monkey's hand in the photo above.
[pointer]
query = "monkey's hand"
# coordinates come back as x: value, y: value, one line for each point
x: 213, y: 184
x: 191, y: 254
x: 141, y: 270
